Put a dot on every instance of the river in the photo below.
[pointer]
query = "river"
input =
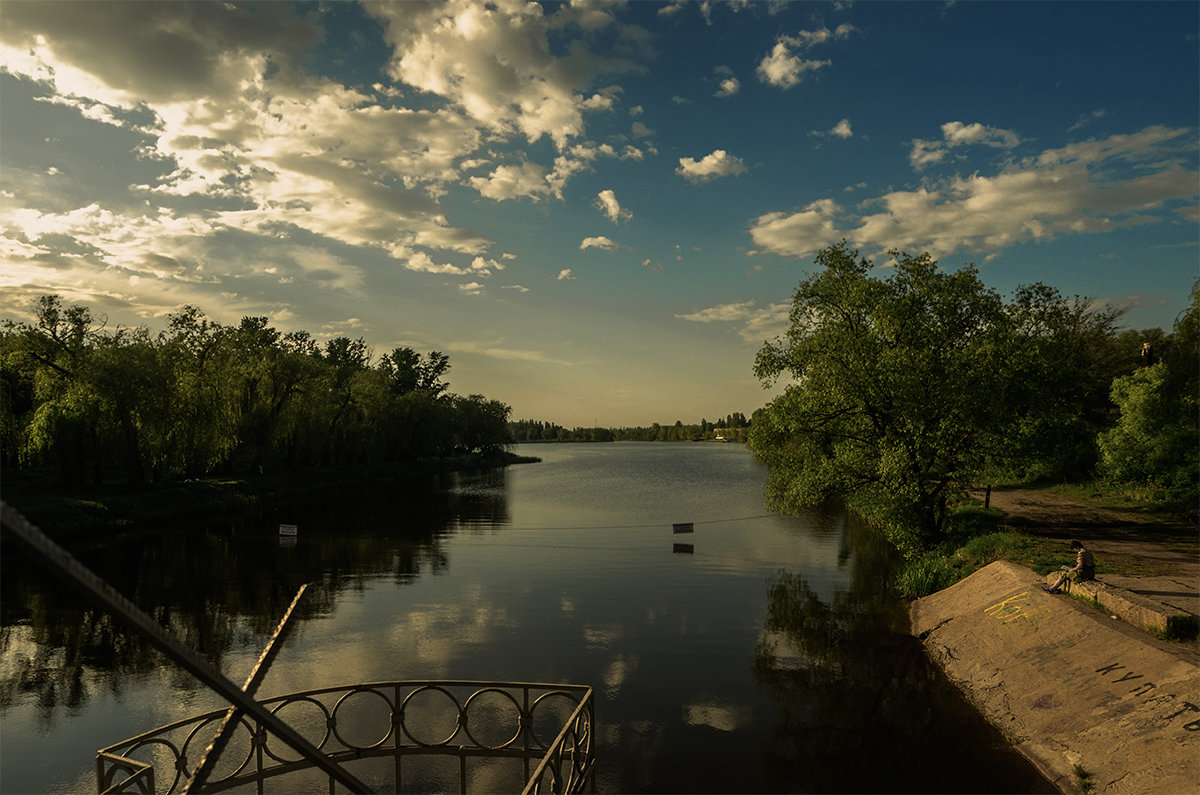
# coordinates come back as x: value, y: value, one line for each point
x: 758, y: 653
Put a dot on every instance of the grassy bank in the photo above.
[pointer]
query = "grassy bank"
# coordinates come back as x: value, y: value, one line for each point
x: 979, y: 536
x: 92, y: 512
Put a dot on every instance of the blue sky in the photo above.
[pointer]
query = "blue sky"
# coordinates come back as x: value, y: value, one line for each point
x: 598, y: 211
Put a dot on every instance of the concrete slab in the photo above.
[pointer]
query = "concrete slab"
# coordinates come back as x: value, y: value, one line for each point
x: 1144, y: 602
x: 1067, y: 684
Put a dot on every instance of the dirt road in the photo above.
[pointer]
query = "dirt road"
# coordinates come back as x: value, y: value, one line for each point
x: 1140, y: 539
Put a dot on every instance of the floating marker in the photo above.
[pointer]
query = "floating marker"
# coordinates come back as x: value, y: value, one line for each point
x: 288, y: 529
x: 683, y: 527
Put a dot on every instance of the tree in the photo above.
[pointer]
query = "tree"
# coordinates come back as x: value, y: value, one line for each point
x: 408, y: 370
x: 904, y: 387
x: 1154, y: 442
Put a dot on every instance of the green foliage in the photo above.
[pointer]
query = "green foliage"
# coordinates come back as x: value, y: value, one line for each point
x: 1083, y: 779
x: 1156, y: 441
x: 924, y: 575
x: 200, y: 397
x: 904, y: 390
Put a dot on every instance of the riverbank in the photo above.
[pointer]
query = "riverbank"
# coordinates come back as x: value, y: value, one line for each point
x: 78, y: 515
x: 1097, y: 703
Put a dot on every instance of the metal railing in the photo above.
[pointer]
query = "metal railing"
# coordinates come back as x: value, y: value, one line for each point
x: 546, y: 730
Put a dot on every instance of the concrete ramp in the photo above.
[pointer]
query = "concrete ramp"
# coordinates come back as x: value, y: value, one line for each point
x: 1067, y: 683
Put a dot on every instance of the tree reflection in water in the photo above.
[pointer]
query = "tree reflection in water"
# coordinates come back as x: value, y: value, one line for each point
x: 218, y: 590
x: 861, y: 708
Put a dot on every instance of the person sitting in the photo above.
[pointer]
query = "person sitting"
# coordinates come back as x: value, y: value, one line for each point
x: 1084, y: 569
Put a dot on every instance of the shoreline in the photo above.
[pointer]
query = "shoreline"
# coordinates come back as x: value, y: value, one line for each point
x: 96, y: 514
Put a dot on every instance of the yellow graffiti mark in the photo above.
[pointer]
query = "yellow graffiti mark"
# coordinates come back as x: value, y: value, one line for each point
x: 1014, y: 608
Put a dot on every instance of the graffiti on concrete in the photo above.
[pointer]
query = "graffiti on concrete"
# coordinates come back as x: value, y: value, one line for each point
x: 1014, y: 608
x: 1145, y: 688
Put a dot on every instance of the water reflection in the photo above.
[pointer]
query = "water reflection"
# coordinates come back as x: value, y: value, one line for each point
x: 222, y: 589
x: 860, y: 708
x: 565, y: 571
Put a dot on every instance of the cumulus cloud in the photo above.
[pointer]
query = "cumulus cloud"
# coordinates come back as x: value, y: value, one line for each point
x: 954, y: 134
x: 1093, y: 186
x: 729, y: 85
x: 221, y: 117
x: 565, y: 274
x: 228, y: 135
x: 717, y: 164
x: 783, y: 68
x: 842, y: 129
x: 606, y: 202
x: 797, y: 234
x: 601, y: 242
x: 451, y: 50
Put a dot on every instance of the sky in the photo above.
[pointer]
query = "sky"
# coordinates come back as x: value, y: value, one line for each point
x: 598, y: 211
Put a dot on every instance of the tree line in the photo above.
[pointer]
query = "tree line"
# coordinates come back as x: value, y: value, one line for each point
x: 903, y: 392
x: 201, y: 397
x: 733, y: 428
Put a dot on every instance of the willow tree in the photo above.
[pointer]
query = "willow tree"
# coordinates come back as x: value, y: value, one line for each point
x: 903, y: 389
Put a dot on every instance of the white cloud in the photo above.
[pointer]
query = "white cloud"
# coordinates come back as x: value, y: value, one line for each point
x: 513, y: 182
x: 784, y: 69
x: 1092, y: 186
x: 717, y: 164
x: 217, y: 100
x: 495, y: 63
x: 721, y: 313
x: 728, y: 87
x: 756, y: 324
x: 485, y: 267
x: 565, y: 274
x: 954, y: 134
x: 842, y: 129
x: 606, y: 202
x: 421, y: 262
x: 601, y: 242
x: 797, y: 234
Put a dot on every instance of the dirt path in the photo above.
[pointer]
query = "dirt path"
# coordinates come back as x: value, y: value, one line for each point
x: 1137, y: 538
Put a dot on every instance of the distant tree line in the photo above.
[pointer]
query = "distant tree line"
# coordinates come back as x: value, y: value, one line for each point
x: 733, y: 428
x: 200, y: 397
x: 902, y: 392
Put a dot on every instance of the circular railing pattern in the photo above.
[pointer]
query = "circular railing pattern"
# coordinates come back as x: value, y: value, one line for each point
x: 549, y: 722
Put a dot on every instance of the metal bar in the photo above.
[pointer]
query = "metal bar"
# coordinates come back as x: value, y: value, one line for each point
x: 585, y: 706
x: 209, y: 760
x: 63, y: 563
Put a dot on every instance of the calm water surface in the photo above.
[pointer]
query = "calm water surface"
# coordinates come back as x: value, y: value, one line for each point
x: 768, y: 658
